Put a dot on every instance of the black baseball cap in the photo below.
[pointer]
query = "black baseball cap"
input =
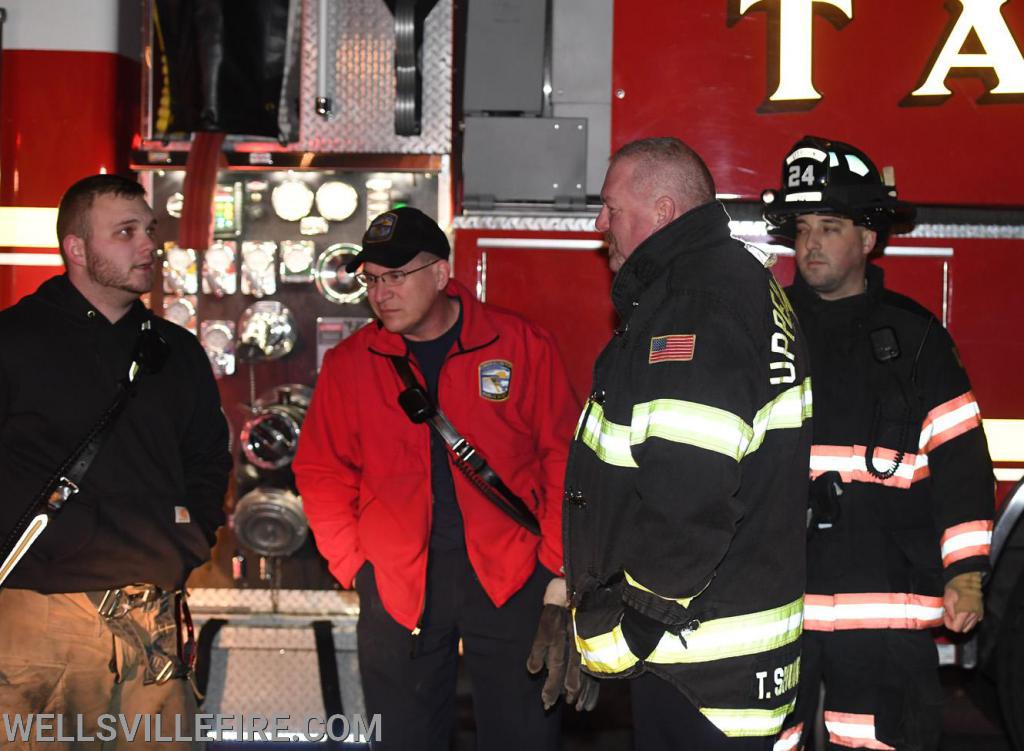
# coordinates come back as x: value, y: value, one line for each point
x: 396, y: 237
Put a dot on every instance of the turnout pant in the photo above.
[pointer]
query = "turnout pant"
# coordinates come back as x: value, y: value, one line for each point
x: 665, y: 720
x: 410, y: 681
x: 58, y: 658
x: 882, y: 690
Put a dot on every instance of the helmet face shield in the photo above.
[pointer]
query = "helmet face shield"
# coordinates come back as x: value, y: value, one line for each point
x: 830, y: 177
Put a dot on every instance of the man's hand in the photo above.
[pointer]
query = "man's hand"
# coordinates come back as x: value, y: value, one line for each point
x: 554, y: 647
x: 549, y: 649
x: 962, y: 602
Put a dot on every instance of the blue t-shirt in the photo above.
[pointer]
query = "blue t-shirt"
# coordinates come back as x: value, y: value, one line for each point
x: 447, y: 532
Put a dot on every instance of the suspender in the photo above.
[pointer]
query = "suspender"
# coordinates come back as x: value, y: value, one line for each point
x: 418, y: 406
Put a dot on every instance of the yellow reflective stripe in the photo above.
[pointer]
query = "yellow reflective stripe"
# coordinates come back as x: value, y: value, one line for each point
x: 694, y: 424
x: 788, y: 410
x: 605, y: 653
x: 734, y: 636
x: 607, y: 439
x: 745, y: 723
x: 684, y: 601
x: 713, y: 640
x: 691, y: 423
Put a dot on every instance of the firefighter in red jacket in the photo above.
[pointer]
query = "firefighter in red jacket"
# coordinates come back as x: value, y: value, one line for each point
x: 433, y: 560
x: 901, y: 481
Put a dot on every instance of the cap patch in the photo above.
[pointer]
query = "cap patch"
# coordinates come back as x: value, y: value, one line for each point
x: 382, y: 228
x: 495, y: 380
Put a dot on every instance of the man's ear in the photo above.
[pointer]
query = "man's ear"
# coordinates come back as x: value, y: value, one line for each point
x: 868, y: 240
x: 442, y: 273
x: 74, y: 250
x: 664, y: 211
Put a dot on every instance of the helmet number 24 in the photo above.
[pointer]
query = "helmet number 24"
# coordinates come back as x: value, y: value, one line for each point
x: 796, y: 176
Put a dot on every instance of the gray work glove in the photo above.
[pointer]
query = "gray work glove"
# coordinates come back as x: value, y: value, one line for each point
x: 555, y: 648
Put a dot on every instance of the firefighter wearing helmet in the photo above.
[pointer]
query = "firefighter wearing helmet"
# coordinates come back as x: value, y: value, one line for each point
x: 901, y: 496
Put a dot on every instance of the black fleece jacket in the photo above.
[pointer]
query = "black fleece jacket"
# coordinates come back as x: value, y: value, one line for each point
x: 152, y: 499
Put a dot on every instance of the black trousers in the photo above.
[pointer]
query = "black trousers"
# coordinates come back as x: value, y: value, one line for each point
x: 665, y: 720
x: 411, y: 682
x: 882, y: 689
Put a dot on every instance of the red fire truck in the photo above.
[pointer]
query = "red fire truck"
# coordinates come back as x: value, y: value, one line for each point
x: 498, y: 117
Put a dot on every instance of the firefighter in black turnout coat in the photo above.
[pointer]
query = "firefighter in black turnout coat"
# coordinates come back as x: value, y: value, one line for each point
x: 685, y: 494
x: 901, y: 493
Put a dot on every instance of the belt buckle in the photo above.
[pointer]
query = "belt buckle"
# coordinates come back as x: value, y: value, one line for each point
x: 115, y: 604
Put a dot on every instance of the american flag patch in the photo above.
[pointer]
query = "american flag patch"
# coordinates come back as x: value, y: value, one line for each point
x: 672, y: 348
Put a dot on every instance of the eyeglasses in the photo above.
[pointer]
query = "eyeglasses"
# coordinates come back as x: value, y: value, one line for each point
x: 389, y: 278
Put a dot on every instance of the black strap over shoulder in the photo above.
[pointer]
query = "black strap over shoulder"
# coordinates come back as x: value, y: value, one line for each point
x: 149, y: 356
x: 418, y: 406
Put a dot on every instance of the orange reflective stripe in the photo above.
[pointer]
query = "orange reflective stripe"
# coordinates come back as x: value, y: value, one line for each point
x: 851, y: 464
x: 843, y: 612
x: 789, y: 739
x: 853, y: 731
x: 949, y: 420
x: 966, y: 540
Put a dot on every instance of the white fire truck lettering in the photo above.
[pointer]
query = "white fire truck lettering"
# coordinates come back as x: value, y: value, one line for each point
x: 796, y: 45
x: 1000, y: 55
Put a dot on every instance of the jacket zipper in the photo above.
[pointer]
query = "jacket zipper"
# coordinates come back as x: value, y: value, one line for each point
x: 572, y: 495
x: 418, y: 629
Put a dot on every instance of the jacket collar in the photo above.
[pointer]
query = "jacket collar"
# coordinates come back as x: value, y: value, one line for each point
x: 477, y: 329
x: 694, y: 231
x: 60, y: 293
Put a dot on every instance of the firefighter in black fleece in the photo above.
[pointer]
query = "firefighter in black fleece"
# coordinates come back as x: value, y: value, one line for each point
x: 149, y: 504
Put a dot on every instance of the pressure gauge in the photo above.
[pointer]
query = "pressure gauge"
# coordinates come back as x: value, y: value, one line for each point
x: 292, y: 200
x: 332, y: 281
x: 336, y: 201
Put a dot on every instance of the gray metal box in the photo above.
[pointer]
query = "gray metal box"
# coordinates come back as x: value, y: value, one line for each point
x: 524, y: 159
x: 599, y: 138
x: 581, y: 51
x: 505, y: 56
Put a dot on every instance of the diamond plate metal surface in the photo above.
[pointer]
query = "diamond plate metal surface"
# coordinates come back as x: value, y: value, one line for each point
x: 576, y: 223
x: 361, y: 37
x: 310, y: 602
x: 274, y: 672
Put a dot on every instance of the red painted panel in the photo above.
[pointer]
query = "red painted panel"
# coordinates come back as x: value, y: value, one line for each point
x: 63, y: 115
x: 987, y: 320
x: 566, y: 291
x: 691, y: 75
